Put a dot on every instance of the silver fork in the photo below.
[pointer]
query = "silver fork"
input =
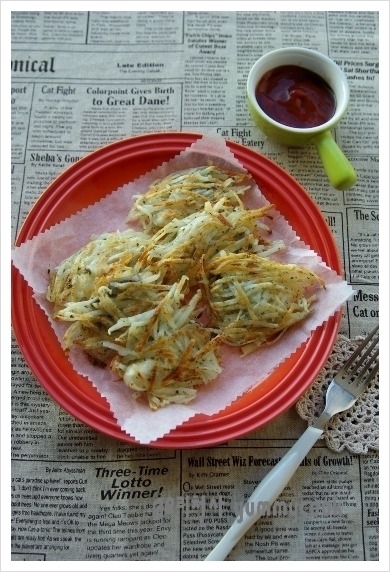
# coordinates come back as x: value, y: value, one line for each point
x: 343, y: 391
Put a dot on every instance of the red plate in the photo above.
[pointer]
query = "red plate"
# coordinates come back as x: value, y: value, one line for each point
x: 93, y: 177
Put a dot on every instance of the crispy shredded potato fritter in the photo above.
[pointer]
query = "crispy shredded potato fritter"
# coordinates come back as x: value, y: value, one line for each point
x: 108, y: 256
x: 136, y: 301
x: 253, y: 300
x: 186, y: 192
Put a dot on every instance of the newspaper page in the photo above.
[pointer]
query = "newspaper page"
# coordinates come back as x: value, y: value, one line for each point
x: 81, y: 80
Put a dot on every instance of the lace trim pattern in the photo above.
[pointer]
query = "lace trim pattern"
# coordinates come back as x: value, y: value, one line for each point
x: 356, y: 429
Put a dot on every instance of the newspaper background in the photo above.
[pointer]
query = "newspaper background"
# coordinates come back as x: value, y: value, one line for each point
x: 67, y: 479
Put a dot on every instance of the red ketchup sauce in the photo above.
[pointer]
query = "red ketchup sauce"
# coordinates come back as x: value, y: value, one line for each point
x: 295, y: 96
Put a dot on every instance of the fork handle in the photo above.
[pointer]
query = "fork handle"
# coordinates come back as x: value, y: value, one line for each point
x: 266, y: 493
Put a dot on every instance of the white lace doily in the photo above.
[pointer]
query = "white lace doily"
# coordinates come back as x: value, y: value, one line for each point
x: 356, y: 429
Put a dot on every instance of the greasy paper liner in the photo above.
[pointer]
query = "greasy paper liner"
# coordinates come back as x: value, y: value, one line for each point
x: 240, y: 374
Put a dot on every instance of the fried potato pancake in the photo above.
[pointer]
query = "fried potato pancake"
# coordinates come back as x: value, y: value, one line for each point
x: 253, y: 299
x: 136, y: 300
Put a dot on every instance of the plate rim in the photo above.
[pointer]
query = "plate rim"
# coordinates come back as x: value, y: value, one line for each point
x: 183, y: 436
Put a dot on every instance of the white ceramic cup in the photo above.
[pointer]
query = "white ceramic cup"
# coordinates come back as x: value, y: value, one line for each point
x: 340, y: 172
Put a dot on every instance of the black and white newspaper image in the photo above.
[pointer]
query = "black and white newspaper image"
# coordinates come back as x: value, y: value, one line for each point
x: 81, y: 80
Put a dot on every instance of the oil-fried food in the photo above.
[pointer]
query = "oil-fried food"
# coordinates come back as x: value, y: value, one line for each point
x: 106, y: 257
x: 133, y: 299
x: 253, y: 300
x: 178, y: 247
x: 185, y: 192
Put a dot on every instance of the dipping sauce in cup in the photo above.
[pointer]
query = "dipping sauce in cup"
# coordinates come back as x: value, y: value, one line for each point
x: 297, y: 96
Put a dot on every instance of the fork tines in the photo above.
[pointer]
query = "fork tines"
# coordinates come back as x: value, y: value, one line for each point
x: 363, y: 363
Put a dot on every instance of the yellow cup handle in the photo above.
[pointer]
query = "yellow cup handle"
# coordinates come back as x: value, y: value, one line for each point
x: 339, y: 170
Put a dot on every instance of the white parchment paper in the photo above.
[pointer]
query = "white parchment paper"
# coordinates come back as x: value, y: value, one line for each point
x: 48, y: 249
